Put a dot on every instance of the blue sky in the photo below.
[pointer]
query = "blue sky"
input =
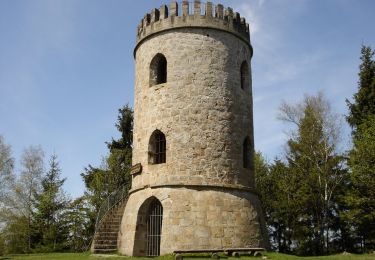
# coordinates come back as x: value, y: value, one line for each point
x: 66, y: 66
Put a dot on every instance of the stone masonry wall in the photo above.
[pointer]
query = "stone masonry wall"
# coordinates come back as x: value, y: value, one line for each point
x: 201, y: 109
x: 197, y: 219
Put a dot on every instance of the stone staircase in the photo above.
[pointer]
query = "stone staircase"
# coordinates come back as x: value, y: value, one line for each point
x: 108, y: 225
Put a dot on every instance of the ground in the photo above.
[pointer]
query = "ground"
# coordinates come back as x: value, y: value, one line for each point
x: 88, y: 256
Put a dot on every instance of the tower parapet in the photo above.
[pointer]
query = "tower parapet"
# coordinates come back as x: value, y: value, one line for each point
x: 193, y: 14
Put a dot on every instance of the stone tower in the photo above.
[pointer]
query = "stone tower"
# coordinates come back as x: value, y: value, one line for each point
x: 193, y: 173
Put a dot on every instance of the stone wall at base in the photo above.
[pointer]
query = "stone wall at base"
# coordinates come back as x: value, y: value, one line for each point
x: 196, y: 219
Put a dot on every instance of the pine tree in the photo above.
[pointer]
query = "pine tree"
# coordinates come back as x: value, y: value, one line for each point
x: 120, y: 151
x: 50, y: 204
x: 360, y: 197
x: 364, y: 99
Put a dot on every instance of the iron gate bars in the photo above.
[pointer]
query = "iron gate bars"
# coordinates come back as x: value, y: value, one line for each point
x: 154, y: 225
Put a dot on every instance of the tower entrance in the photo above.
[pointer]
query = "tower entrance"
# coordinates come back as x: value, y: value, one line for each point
x: 149, y: 228
x: 154, y: 223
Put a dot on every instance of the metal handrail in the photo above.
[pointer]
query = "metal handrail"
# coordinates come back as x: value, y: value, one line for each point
x: 112, y: 200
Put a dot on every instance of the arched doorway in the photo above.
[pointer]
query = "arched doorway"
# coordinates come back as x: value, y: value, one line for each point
x: 154, y: 223
x: 148, y: 229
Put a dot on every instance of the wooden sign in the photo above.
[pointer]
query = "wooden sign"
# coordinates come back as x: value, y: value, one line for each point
x: 136, y: 169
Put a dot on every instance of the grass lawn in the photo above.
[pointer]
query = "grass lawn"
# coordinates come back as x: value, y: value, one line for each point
x: 88, y: 256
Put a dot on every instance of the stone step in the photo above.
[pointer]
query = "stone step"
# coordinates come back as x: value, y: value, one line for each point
x: 105, y: 238
x: 105, y: 242
x: 105, y: 246
x: 104, y: 251
x: 114, y: 221
x: 106, y: 234
x: 109, y: 228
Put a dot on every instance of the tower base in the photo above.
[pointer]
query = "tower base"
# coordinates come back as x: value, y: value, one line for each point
x: 191, y: 218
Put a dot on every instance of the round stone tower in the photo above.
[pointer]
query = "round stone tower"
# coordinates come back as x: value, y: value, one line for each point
x: 193, y: 173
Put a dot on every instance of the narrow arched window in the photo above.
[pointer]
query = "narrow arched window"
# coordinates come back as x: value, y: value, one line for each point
x: 158, y: 70
x: 246, y: 153
x: 244, y: 75
x: 157, y: 148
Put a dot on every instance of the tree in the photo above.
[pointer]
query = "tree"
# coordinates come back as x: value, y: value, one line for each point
x: 114, y: 173
x: 97, y: 189
x: 27, y: 188
x: 312, y: 155
x: 77, y: 218
x: 119, y: 160
x: 50, y: 205
x: 364, y: 104
x: 279, y: 190
x: 360, y: 196
x: 6, y: 171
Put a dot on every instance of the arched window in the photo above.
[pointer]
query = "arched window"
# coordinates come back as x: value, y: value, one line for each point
x: 158, y: 70
x: 157, y: 148
x: 246, y: 153
x: 244, y: 75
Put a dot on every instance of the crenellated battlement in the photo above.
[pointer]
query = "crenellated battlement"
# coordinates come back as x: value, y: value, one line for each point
x: 193, y: 14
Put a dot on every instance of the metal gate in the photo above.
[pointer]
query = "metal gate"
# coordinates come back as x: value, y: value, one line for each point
x: 154, y: 223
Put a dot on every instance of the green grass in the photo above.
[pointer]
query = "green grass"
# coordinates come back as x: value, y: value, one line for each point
x: 88, y: 256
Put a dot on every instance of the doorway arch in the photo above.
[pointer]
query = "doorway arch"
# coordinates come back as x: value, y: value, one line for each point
x: 148, y: 228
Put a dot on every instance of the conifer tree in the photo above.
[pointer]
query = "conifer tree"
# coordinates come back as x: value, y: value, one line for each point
x: 360, y: 197
x: 364, y: 99
x: 50, y: 205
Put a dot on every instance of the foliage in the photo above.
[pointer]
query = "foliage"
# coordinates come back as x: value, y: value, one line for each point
x: 16, y: 234
x: 78, y: 218
x: 28, y: 186
x: 364, y: 104
x: 312, y: 156
x: 49, y: 208
x: 360, y: 198
x: 300, y: 193
x: 361, y: 195
x: 18, y: 204
x: 120, y: 157
x: 6, y: 171
x: 115, y: 170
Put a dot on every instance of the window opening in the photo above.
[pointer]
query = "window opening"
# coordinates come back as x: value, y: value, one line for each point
x: 158, y: 70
